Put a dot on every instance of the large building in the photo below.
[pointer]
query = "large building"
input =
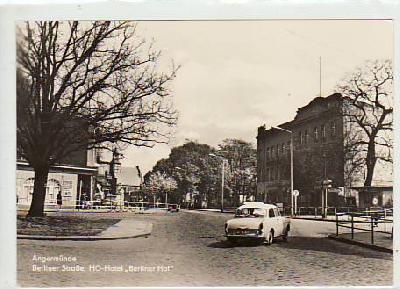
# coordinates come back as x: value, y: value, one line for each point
x: 318, y: 132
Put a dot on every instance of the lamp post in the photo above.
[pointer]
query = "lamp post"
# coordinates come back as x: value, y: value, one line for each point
x: 222, y: 178
x: 291, y: 165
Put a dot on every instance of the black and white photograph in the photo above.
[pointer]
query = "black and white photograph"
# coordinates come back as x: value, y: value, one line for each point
x: 204, y: 152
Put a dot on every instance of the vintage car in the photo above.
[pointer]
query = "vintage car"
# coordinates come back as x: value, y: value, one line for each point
x: 173, y: 208
x: 256, y: 220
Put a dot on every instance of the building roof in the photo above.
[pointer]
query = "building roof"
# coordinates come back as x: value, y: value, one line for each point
x: 127, y: 176
x: 316, y: 107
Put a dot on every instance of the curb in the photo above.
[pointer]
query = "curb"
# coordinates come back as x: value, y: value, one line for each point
x: 370, y: 246
x: 77, y: 238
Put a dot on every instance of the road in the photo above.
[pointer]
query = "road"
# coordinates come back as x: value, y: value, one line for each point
x: 188, y: 249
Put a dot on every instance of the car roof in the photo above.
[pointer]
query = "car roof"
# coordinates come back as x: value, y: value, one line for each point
x: 258, y: 205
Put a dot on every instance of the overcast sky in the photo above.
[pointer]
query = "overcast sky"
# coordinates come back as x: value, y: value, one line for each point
x: 238, y: 75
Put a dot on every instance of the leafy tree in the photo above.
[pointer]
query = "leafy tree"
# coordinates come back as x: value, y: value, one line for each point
x: 242, y: 158
x: 194, y: 170
x: 368, y: 113
x: 83, y: 85
x: 160, y: 183
x: 199, y: 173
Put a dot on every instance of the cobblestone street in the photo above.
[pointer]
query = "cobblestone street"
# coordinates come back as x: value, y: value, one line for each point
x: 188, y: 248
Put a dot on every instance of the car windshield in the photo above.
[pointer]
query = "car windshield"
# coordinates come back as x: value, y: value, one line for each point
x: 250, y: 212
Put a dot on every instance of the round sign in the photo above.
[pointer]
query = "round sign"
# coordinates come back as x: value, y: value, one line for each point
x: 295, y: 193
x: 375, y: 201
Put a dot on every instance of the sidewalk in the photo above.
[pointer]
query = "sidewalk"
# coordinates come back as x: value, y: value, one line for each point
x: 124, y: 229
x: 382, y: 242
x: 319, y: 218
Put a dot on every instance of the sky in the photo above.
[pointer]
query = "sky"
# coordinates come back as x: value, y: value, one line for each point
x: 238, y: 75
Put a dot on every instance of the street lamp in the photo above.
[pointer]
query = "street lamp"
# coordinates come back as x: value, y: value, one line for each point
x: 291, y: 164
x: 222, y: 178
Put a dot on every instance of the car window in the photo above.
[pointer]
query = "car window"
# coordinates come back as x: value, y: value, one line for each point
x: 276, y: 212
x: 271, y: 213
x: 250, y: 212
x: 259, y: 212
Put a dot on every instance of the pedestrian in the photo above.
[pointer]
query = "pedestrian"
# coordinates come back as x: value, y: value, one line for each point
x: 59, y: 200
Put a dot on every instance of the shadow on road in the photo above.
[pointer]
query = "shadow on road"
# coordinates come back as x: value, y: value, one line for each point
x: 308, y: 244
x: 327, y: 245
x: 228, y: 244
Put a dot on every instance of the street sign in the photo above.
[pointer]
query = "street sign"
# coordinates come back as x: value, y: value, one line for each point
x: 375, y: 201
x: 295, y: 193
x: 326, y: 184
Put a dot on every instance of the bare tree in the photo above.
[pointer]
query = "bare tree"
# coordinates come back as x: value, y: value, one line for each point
x: 368, y: 116
x: 85, y: 85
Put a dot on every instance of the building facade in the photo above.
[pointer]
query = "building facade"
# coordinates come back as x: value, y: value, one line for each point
x: 74, y: 179
x: 317, y: 133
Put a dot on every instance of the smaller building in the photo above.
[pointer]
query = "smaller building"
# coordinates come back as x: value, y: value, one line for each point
x: 376, y: 196
x: 73, y: 179
x: 128, y: 184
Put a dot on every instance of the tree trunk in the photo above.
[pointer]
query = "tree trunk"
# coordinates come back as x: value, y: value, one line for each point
x: 370, y: 162
x: 39, y: 192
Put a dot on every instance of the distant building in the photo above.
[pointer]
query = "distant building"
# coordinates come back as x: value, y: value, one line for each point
x: 318, y: 144
x: 128, y: 183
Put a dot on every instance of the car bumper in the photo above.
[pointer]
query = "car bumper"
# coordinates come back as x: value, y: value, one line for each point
x: 245, y: 236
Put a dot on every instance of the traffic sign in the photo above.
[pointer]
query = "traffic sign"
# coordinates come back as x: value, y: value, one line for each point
x: 295, y: 193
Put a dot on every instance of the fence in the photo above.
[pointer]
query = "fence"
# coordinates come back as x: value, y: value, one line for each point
x: 106, y: 205
x: 317, y: 211
x: 368, y: 221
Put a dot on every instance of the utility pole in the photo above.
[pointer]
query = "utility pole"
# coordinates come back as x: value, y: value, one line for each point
x: 320, y: 77
x: 222, y: 185
x: 222, y: 178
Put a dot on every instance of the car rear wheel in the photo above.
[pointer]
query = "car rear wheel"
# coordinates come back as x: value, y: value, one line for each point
x: 269, y: 238
x: 286, y: 233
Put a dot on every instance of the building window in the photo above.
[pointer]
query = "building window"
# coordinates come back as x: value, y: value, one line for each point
x: 272, y: 152
x: 67, y: 189
x: 323, y: 133
x: 268, y: 156
x: 305, y: 136
x: 288, y: 147
x: 315, y: 134
x: 283, y: 148
x: 301, y: 138
x: 272, y: 174
x: 333, y: 128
